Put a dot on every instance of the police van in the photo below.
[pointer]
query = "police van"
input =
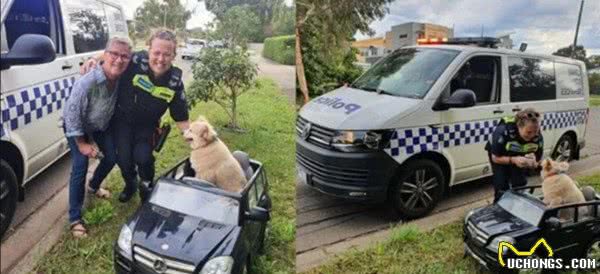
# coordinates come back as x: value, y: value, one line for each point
x: 43, y: 43
x: 416, y: 123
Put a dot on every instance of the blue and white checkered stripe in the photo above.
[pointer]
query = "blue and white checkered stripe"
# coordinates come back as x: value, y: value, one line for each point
x: 33, y: 103
x: 563, y: 119
x: 406, y: 142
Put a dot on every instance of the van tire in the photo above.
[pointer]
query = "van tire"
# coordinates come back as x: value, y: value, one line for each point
x: 417, y: 188
x: 8, y: 195
x: 565, y: 149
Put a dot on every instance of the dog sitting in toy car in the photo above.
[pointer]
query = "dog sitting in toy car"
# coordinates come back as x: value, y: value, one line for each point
x: 188, y: 225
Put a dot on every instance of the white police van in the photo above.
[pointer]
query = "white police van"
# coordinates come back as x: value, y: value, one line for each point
x: 417, y: 121
x: 43, y: 43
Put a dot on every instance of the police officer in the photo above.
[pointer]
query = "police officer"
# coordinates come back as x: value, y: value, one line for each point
x: 516, y: 145
x: 149, y: 87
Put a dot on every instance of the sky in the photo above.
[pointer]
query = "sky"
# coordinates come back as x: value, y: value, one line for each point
x: 545, y: 25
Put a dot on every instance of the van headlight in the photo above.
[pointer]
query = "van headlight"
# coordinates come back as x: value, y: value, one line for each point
x: 493, y: 246
x: 357, y: 140
x: 218, y: 265
x: 124, y: 241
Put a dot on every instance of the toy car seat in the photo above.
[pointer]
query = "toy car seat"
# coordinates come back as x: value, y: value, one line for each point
x: 244, y: 160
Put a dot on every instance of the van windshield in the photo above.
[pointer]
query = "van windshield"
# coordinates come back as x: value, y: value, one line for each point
x: 406, y: 72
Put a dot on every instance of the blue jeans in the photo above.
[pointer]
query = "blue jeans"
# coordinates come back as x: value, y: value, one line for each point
x: 79, y: 170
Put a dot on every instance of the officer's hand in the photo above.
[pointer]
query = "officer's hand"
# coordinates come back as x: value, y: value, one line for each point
x: 520, y: 161
x: 88, y: 150
x: 88, y: 65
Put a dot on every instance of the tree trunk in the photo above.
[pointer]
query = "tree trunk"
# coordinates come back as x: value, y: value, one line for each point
x: 300, y: 68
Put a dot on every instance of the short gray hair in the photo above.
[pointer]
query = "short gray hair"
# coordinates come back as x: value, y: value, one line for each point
x: 118, y: 40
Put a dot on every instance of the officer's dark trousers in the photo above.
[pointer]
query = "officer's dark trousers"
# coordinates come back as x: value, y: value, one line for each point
x: 506, y: 177
x: 134, y: 149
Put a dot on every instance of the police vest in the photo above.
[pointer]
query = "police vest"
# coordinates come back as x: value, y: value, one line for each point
x: 151, y: 99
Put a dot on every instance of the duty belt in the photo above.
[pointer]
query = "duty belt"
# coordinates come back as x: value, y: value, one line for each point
x: 143, y: 82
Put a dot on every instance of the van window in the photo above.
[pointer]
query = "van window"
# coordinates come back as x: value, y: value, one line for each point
x: 406, y: 72
x: 568, y: 79
x: 116, y: 22
x: 531, y: 79
x: 87, y: 22
x: 481, y: 74
x: 33, y: 17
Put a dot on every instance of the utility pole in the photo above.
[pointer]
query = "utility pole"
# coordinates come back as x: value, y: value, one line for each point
x: 577, y: 29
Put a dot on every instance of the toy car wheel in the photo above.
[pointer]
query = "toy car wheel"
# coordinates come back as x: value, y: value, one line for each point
x: 565, y: 149
x: 417, y: 188
x: 593, y: 250
x: 8, y: 195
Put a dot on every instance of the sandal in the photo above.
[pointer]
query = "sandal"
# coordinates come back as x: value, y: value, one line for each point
x: 78, y: 230
x: 101, y: 193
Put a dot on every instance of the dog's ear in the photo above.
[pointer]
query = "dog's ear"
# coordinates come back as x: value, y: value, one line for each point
x: 547, y: 164
x: 208, y: 133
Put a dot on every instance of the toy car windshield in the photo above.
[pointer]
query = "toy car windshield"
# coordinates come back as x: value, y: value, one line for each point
x: 196, y: 202
x: 522, y: 207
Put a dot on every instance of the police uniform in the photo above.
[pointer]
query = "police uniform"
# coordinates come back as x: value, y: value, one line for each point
x: 506, y: 141
x: 142, y: 101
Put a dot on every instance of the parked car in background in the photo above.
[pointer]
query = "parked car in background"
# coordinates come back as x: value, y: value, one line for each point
x: 43, y: 43
x: 192, y: 48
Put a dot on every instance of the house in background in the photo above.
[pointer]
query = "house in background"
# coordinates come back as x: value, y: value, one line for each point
x: 407, y: 34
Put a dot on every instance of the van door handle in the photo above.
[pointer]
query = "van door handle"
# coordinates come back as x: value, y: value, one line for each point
x: 498, y: 111
x: 67, y: 66
x: 516, y: 109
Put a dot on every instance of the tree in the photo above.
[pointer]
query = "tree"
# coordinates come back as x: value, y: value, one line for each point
x: 154, y: 14
x: 594, y: 80
x: 331, y: 24
x: 580, y: 53
x: 594, y: 61
x: 264, y: 10
x: 284, y: 21
x: 237, y: 26
x: 222, y: 76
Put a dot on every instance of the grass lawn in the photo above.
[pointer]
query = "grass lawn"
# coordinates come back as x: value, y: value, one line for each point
x: 409, y: 250
x: 269, y: 121
x: 595, y: 100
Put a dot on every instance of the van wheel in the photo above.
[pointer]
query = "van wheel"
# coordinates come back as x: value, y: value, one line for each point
x: 8, y: 195
x: 417, y: 188
x: 593, y: 250
x: 565, y: 149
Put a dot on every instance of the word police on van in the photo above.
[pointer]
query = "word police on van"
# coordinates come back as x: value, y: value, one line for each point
x: 43, y: 44
x: 416, y: 123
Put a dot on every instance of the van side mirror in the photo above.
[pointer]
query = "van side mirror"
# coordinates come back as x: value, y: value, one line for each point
x: 258, y: 214
x: 29, y: 49
x: 553, y: 223
x: 461, y: 98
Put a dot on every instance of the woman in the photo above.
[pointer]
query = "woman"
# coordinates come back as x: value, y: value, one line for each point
x: 516, y: 145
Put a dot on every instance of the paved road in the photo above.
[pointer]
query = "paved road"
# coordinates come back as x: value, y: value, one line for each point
x: 284, y: 75
x: 322, y: 221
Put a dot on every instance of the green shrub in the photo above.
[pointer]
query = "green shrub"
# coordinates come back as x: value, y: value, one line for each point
x: 280, y: 49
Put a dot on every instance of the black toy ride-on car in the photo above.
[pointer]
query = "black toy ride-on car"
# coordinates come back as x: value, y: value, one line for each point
x: 188, y: 225
x: 520, y: 218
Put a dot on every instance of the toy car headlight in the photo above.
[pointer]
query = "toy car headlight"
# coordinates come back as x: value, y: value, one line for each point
x: 124, y: 241
x: 218, y: 265
x: 496, y: 241
x: 469, y: 214
x: 351, y: 141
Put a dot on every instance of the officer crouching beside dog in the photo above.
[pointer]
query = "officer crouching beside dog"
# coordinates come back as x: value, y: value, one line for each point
x: 516, y: 146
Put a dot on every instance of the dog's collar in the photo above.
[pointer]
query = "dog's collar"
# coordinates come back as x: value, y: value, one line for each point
x: 557, y: 173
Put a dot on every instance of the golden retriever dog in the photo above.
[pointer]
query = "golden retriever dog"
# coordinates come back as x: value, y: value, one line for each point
x: 559, y: 189
x: 211, y: 159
